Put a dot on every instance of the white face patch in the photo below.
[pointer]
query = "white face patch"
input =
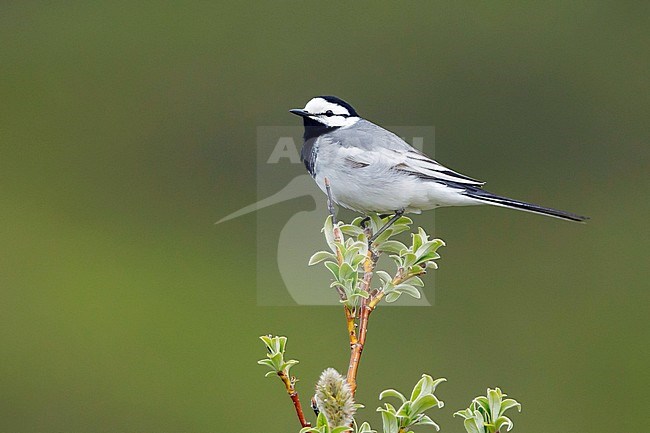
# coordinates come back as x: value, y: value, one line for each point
x: 329, y: 114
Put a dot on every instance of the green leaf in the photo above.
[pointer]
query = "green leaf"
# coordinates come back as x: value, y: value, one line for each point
x: 375, y: 222
x: 465, y: 413
x: 494, y: 400
x: 277, y: 360
x: 383, y: 237
x: 333, y: 268
x: 409, y: 290
x: 384, y: 276
x: 321, y: 256
x: 282, y: 343
x: 387, y: 406
x: 501, y: 422
x: 392, y: 393
x: 507, y: 404
x: 404, y: 412
x: 417, y: 239
x: 321, y: 421
x: 352, y: 247
x: 346, y: 271
x: 425, y: 403
x: 392, y: 297
x: 328, y: 230
x: 427, y: 257
x: 392, y: 247
x: 485, y: 413
x: 351, y: 230
x: 404, y: 220
x: 423, y: 387
x: 432, y: 265
x: 437, y: 382
x: 426, y: 420
x: 472, y: 427
x: 409, y: 259
x: 483, y: 403
x: 389, y: 421
x: 266, y: 362
x: 365, y: 428
x: 286, y: 366
x: 356, y: 261
x: 267, y: 340
x: 423, y: 249
x: 399, y: 228
x: 416, y: 270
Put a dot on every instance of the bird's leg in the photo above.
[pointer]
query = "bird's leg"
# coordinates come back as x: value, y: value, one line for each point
x: 366, y: 219
x: 398, y: 214
x: 330, y: 202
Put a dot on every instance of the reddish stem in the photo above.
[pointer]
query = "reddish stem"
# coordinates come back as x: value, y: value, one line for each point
x: 288, y: 384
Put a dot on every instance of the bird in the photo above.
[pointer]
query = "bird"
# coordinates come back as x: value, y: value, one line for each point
x: 369, y: 169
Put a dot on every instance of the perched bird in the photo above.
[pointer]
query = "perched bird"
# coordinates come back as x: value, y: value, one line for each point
x: 370, y: 169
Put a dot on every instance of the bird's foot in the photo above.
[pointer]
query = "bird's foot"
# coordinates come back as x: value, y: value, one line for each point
x: 398, y: 214
x: 366, y: 219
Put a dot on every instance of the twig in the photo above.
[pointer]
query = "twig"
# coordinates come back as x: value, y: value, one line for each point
x: 289, y: 385
x: 399, y: 279
x: 357, y: 346
x: 350, y: 316
x: 357, y: 341
x: 368, y: 305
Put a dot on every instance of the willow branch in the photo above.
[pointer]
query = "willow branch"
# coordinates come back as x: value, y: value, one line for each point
x: 399, y: 279
x: 350, y: 317
x: 357, y: 340
x: 357, y: 346
x: 367, y: 307
x: 289, y: 385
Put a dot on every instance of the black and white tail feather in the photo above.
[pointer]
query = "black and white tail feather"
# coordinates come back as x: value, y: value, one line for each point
x: 497, y: 200
x: 371, y: 169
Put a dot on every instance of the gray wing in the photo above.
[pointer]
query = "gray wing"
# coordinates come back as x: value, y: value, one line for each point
x: 366, y: 144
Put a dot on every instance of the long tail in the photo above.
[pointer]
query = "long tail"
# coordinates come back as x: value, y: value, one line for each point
x: 496, y: 200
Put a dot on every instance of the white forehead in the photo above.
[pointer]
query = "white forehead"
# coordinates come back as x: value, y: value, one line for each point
x: 320, y: 105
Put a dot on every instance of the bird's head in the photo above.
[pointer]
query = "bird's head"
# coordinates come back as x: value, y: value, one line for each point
x: 328, y: 112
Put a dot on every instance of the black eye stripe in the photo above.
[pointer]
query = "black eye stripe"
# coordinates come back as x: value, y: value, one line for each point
x: 329, y: 113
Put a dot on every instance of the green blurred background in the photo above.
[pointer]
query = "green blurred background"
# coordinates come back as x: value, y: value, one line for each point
x: 127, y: 130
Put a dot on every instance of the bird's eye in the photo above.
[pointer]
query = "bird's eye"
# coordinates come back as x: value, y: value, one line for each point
x: 329, y: 113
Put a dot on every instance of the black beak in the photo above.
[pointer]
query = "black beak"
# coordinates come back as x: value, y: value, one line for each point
x: 299, y: 112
